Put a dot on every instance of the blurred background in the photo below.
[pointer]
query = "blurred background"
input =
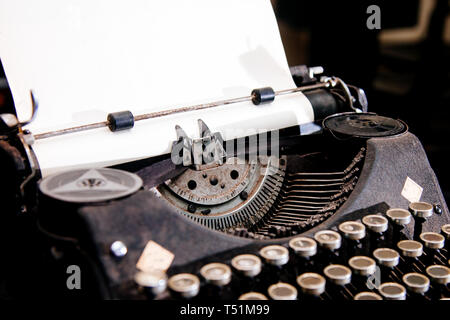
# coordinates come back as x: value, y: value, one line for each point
x: 403, y: 67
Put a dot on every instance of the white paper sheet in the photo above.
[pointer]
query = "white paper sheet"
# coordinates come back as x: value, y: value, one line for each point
x: 86, y: 58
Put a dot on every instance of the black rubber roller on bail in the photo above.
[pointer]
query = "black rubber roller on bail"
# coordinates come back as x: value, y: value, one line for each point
x: 120, y: 121
x: 263, y: 95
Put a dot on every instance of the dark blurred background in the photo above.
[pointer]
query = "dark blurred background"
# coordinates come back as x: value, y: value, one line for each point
x: 404, y: 66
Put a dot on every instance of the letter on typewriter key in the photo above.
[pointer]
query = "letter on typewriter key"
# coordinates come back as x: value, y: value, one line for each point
x: 275, y: 257
x: 353, y: 232
x: 153, y: 283
x: 329, y: 241
x: 253, y: 296
x: 303, y: 249
x: 339, y: 276
x: 282, y: 291
x: 184, y: 285
x: 368, y: 296
x: 387, y: 260
x: 377, y: 226
x: 216, y: 275
x: 400, y: 218
x: 247, y: 267
x: 392, y: 291
x: 312, y: 284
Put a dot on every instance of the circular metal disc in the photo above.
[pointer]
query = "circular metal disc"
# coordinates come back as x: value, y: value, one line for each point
x: 90, y: 185
x: 367, y: 296
x: 392, y: 291
x: 282, y: 291
x: 363, y: 125
x: 253, y: 296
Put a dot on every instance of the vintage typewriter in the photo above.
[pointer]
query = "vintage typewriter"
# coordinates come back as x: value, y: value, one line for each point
x: 345, y: 207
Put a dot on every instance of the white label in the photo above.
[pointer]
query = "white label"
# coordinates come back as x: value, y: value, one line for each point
x: 411, y: 190
x: 154, y: 257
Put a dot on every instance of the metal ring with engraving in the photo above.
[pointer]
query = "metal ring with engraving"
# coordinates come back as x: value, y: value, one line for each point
x: 90, y: 185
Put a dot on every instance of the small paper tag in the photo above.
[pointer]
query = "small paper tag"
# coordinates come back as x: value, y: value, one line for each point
x: 154, y: 257
x: 411, y: 190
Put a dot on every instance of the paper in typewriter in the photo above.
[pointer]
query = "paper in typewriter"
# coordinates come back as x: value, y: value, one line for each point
x: 86, y: 58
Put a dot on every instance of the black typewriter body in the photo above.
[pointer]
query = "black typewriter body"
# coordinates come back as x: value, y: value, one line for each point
x: 322, y: 181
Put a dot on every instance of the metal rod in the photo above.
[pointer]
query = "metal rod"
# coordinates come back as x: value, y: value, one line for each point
x: 164, y: 113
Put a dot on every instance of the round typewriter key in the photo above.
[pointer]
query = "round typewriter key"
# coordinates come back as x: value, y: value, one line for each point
x: 282, y: 291
x: 328, y: 239
x: 218, y: 274
x: 421, y: 209
x: 362, y: 265
x: 392, y: 291
x: 439, y: 274
x: 247, y: 264
x: 303, y: 246
x: 153, y: 282
x: 432, y: 240
x: 375, y: 223
x: 311, y: 283
x: 410, y: 248
x: 399, y: 216
x: 353, y: 230
x: 338, y: 274
x: 386, y: 257
x: 368, y: 296
x: 185, y: 284
x: 416, y: 282
x: 253, y: 296
x: 275, y: 255
x: 445, y: 231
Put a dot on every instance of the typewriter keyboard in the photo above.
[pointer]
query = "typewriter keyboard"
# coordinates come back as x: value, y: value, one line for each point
x: 370, y: 259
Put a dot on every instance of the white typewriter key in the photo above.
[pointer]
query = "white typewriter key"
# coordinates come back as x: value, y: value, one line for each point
x: 353, y: 230
x: 432, y: 240
x: 282, y: 291
x: 392, y: 291
x: 338, y: 274
x: 421, y: 209
x: 185, y: 284
x: 247, y: 264
x: 311, y: 283
x: 328, y: 239
x: 375, y: 223
x: 386, y: 257
x: 303, y: 246
x: 439, y: 274
x: 253, y: 296
x: 416, y: 282
x: 400, y: 217
x: 367, y: 296
x: 445, y: 230
x: 410, y: 248
x: 218, y: 274
x: 362, y: 265
x: 275, y: 255
x: 154, y: 281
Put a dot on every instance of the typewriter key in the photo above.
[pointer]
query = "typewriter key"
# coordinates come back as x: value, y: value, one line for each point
x: 432, y: 240
x: 368, y: 296
x: 275, y: 255
x: 282, y: 291
x: 421, y: 209
x: 153, y: 282
x: 386, y: 257
x: 410, y: 248
x: 328, y: 239
x: 363, y: 266
x: 338, y: 274
x: 439, y: 274
x: 311, y: 283
x: 375, y: 223
x: 353, y: 230
x: 247, y: 264
x: 303, y: 246
x: 416, y: 282
x: 253, y: 296
x: 392, y: 291
x: 400, y: 217
x: 218, y: 274
x: 185, y: 285
x: 445, y: 231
